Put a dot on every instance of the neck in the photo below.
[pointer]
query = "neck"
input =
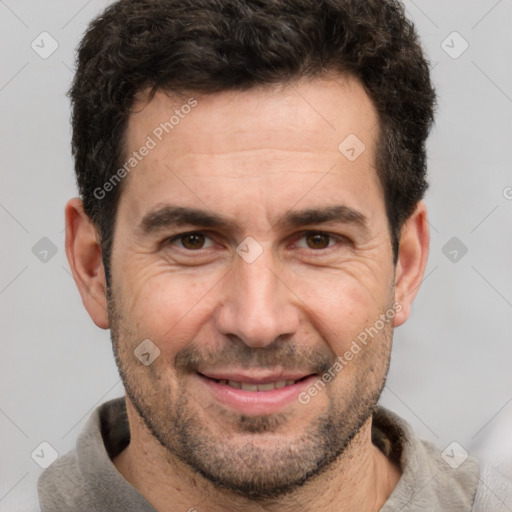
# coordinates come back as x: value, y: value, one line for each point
x: 361, y: 479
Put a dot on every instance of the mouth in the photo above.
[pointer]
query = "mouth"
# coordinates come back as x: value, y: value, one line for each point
x: 255, y: 394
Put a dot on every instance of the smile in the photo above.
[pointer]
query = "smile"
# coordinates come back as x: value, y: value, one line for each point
x: 255, y: 395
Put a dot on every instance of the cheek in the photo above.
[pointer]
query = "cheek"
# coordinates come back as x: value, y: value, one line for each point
x: 171, y: 306
x: 340, y: 305
x: 166, y: 305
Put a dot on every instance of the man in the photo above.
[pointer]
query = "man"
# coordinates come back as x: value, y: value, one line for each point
x: 251, y: 229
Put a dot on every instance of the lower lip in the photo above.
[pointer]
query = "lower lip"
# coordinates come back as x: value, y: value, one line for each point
x: 256, y: 402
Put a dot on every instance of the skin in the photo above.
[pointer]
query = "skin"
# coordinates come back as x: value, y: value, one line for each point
x: 252, y: 157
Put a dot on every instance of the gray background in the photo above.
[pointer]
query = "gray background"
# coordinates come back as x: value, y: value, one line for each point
x: 450, y: 374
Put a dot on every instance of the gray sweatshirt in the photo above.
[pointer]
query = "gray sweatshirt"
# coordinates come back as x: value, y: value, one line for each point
x: 86, y: 480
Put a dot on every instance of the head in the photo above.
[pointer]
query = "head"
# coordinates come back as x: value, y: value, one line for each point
x: 251, y: 176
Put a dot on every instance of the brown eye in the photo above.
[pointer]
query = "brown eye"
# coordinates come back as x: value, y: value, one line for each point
x: 317, y: 240
x: 192, y: 241
x: 194, y: 244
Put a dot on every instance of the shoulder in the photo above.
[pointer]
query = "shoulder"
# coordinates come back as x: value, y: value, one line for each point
x: 76, y: 480
x: 432, y: 478
x: 494, y: 491
x: 62, y: 487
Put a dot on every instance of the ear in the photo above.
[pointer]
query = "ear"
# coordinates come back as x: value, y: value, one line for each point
x: 84, y: 257
x: 412, y: 260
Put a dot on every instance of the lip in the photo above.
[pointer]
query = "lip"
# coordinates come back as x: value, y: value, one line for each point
x: 255, y: 402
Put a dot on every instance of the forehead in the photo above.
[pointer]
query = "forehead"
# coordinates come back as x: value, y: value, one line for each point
x: 313, y: 138
x: 327, y: 106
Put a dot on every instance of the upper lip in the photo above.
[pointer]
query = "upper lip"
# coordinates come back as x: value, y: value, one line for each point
x: 255, y: 376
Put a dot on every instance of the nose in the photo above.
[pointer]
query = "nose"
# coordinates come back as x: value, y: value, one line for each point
x: 257, y: 306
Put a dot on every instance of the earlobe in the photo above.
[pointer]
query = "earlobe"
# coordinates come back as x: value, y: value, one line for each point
x: 84, y: 256
x: 412, y: 260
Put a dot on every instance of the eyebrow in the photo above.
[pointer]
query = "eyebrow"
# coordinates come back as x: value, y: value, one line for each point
x: 169, y: 216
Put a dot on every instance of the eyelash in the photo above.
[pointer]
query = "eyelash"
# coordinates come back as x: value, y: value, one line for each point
x: 332, y: 237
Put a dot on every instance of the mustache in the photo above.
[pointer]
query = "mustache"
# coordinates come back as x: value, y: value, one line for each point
x: 237, y: 354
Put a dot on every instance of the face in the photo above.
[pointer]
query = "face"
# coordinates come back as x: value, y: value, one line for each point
x: 254, y: 254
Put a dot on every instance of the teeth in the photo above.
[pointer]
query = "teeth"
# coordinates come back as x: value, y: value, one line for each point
x: 249, y: 387
x: 245, y: 386
x: 266, y: 387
